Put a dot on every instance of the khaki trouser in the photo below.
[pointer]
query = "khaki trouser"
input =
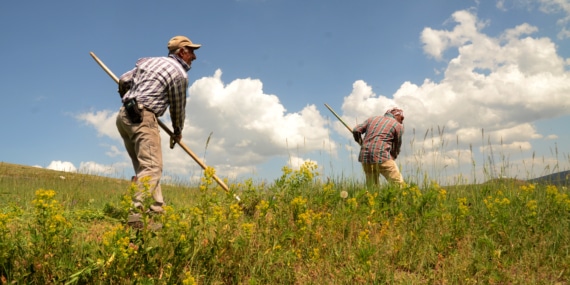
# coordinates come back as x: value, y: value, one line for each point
x: 388, y: 169
x: 142, y: 142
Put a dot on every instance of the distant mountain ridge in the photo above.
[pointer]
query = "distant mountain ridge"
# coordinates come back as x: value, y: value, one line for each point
x: 559, y: 179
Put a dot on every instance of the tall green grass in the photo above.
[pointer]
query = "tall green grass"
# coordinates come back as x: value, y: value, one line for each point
x: 298, y: 229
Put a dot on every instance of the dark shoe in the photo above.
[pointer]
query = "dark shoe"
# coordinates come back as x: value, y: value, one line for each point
x: 135, y: 221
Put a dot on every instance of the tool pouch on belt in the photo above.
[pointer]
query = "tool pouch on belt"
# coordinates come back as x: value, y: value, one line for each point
x: 134, y: 111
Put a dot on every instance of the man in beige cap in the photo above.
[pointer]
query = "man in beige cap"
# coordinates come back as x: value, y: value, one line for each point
x: 151, y: 87
x: 381, y: 146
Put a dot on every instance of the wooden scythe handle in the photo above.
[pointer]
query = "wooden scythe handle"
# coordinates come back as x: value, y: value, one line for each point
x: 338, y: 117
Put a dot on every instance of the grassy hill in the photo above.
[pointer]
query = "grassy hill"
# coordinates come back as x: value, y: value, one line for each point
x: 69, y: 228
x: 18, y: 184
x: 559, y: 179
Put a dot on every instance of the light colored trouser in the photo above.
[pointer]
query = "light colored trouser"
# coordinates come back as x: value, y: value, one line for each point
x: 388, y: 169
x: 142, y: 142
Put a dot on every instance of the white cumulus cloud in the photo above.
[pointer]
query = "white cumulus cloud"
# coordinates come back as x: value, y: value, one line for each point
x: 62, y: 166
x: 231, y: 127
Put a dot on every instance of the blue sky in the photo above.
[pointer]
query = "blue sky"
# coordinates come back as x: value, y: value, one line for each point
x: 492, y: 76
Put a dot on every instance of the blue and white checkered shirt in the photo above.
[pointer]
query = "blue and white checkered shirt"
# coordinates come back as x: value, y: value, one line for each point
x: 158, y: 83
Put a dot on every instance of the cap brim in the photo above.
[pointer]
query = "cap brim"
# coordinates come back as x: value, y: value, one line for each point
x: 194, y: 46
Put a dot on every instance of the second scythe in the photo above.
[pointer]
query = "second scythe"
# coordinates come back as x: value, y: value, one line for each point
x: 166, y: 129
x: 338, y: 117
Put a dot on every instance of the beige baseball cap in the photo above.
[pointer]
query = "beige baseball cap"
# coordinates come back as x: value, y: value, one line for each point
x: 181, y: 41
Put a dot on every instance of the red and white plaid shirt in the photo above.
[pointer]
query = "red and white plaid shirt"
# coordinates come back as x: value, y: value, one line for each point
x: 382, y: 139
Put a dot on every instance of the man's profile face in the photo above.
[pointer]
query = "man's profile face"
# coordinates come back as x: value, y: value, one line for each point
x: 188, y: 55
x: 399, y: 118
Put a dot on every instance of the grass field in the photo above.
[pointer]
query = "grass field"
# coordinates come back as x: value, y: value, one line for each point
x: 69, y: 228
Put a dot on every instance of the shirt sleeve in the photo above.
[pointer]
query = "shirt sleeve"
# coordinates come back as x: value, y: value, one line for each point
x: 361, y: 128
x: 126, y: 82
x: 177, y: 99
x: 397, y: 144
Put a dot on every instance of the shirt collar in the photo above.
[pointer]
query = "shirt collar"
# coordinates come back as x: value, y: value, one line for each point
x: 184, y: 64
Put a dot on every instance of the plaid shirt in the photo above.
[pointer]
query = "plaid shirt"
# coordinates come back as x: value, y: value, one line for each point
x: 157, y: 83
x: 382, y: 139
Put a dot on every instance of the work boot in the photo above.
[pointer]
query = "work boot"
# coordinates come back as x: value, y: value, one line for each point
x: 135, y: 221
